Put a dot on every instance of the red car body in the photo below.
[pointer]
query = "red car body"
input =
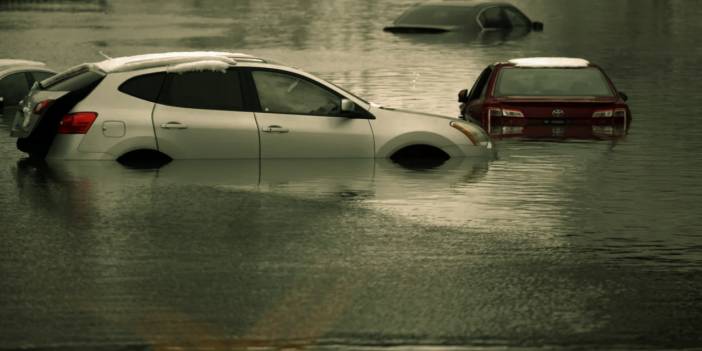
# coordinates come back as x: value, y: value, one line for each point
x: 546, y: 98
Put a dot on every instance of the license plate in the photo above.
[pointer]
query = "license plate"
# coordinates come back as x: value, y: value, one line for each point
x: 557, y: 131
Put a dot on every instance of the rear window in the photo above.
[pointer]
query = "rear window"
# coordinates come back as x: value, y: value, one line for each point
x: 203, y: 90
x: 437, y: 15
x: 517, y: 81
x: 72, y: 79
x: 144, y: 87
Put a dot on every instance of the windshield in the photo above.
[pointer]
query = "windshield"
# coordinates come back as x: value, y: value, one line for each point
x: 516, y: 81
x: 437, y: 15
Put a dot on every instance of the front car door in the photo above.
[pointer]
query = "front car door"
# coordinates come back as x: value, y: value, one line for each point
x: 202, y: 115
x: 300, y: 118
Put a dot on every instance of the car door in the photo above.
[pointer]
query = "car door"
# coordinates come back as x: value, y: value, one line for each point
x: 201, y: 115
x: 299, y: 118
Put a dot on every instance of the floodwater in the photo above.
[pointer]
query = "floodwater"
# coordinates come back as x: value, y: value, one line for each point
x: 550, y: 245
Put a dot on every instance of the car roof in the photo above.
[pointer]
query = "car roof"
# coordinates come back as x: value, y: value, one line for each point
x: 549, y: 62
x: 179, y: 61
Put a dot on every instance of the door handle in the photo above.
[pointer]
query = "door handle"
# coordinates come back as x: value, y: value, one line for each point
x: 276, y: 129
x: 174, y: 125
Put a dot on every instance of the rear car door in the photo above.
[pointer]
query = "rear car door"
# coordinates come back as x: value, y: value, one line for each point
x: 300, y: 118
x: 201, y: 115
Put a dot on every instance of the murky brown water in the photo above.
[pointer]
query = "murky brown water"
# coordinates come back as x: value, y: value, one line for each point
x: 551, y: 245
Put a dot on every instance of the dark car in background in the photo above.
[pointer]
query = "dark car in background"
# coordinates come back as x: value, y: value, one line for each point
x: 16, y: 78
x: 546, y: 97
x: 461, y: 16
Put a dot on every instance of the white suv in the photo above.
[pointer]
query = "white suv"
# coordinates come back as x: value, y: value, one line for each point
x: 217, y: 105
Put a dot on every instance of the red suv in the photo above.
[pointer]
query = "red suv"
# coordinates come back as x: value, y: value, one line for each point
x: 546, y: 97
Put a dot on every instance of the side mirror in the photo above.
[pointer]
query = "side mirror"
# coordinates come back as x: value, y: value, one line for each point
x: 623, y: 96
x: 537, y: 26
x: 347, y: 105
x: 463, y: 96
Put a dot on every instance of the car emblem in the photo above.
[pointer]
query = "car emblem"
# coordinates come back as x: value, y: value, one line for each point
x: 558, y: 113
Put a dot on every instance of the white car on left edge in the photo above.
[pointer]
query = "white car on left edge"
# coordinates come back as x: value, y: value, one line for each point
x: 218, y: 105
x: 16, y: 77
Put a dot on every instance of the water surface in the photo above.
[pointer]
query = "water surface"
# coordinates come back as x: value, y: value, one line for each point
x: 587, y: 244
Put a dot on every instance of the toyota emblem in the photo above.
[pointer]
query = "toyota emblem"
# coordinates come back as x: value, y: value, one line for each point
x: 558, y: 113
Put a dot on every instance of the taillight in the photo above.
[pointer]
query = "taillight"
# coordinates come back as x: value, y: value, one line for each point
x: 77, y: 123
x: 619, y: 112
x: 503, y: 112
x: 42, y: 106
x: 512, y: 113
x: 603, y: 113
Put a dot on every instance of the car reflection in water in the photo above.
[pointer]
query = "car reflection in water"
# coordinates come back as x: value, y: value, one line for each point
x: 72, y: 190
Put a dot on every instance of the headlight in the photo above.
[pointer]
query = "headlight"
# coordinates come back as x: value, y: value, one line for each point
x: 476, y: 134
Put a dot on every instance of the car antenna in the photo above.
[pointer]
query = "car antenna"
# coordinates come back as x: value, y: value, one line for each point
x: 104, y: 55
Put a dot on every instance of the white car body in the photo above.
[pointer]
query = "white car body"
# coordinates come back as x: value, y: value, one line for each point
x: 126, y: 123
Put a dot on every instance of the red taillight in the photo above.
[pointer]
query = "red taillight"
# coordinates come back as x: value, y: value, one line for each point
x: 77, y: 123
x: 42, y: 106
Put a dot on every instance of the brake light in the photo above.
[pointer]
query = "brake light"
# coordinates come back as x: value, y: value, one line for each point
x: 42, y: 106
x: 77, y: 123
x: 620, y: 112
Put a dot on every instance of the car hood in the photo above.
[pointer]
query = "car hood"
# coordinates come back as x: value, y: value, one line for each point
x: 392, y: 110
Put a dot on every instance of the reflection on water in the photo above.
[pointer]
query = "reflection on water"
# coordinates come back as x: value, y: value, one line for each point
x: 576, y: 244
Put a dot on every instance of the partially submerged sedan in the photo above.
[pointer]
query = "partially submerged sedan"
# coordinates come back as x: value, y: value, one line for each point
x: 461, y: 16
x: 546, y: 97
x: 16, y: 78
x: 218, y: 105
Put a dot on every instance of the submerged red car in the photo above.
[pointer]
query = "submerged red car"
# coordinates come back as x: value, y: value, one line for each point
x: 546, y: 97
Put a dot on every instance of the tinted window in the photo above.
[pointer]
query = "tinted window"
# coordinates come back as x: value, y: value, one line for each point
x: 480, y: 85
x: 38, y: 76
x: 517, y: 18
x: 13, y: 88
x: 493, y: 17
x: 437, y: 15
x: 204, y: 90
x: 284, y: 93
x: 552, y: 82
x: 145, y: 87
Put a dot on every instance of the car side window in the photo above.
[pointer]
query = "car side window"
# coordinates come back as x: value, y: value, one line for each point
x: 145, y: 87
x: 279, y: 92
x: 203, y: 90
x: 480, y: 85
x: 493, y: 17
x: 13, y: 88
x: 516, y: 18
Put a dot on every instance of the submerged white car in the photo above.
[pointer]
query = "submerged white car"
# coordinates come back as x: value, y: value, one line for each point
x: 218, y: 105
